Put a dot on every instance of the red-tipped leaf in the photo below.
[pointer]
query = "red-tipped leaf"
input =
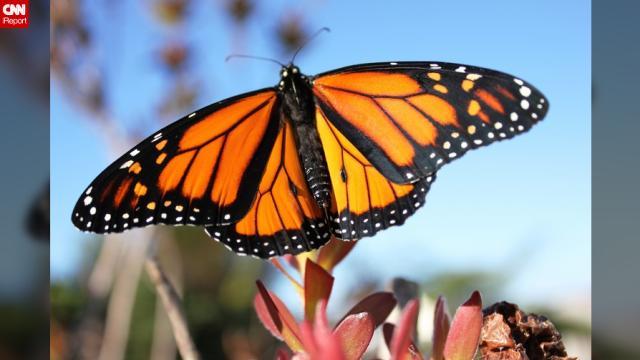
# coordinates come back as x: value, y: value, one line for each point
x: 401, y: 341
x: 268, y: 315
x: 282, y: 354
x: 334, y: 252
x: 294, y: 282
x: 328, y: 342
x: 292, y: 260
x: 388, y: 331
x: 275, y: 316
x: 378, y: 305
x: 464, y: 334
x: 355, y: 332
x: 317, y: 286
x: 441, y: 323
x: 308, y: 339
x: 318, y: 339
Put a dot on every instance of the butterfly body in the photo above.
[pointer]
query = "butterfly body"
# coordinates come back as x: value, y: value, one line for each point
x: 298, y: 108
x: 346, y: 153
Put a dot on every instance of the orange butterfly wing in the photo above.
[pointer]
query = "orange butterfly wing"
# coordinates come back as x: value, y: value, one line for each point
x: 409, y: 119
x: 364, y: 201
x: 284, y: 217
x: 198, y: 170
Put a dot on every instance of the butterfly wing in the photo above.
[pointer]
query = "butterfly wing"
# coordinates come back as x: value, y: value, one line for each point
x: 364, y: 200
x: 410, y: 118
x: 202, y: 169
x: 284, y: 217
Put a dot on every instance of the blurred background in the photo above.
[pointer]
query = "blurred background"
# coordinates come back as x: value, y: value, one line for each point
x: 24, y: 213
x: 512, y: 220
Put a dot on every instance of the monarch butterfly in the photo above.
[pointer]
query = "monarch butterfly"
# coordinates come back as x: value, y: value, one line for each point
x: 280, y: 170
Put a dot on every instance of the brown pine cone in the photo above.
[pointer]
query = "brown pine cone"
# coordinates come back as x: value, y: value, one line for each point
x: 510, y: 334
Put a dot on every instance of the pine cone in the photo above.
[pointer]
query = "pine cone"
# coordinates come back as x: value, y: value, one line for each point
x: 510, y: 334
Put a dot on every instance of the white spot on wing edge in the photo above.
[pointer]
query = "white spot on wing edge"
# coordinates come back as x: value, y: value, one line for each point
x: 525, y: 91
x: 126, y: 164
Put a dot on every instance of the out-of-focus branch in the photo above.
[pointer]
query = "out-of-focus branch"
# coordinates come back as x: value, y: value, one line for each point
x: 122, y: 298
x: 102, y: 275
x: 163, y: 346
x: 173, y: 306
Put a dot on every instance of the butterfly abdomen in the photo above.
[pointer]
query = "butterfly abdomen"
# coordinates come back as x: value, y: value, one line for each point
x: 317, y: 177
x: 314, y: 164
x: 299, y: 109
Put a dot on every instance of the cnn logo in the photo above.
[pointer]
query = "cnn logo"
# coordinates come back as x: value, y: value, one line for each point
x: 14, y: 9
x: 15, y: 13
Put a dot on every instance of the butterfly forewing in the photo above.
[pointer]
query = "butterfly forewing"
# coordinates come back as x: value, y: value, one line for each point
x: 410, y: 118
x: 202, y: 169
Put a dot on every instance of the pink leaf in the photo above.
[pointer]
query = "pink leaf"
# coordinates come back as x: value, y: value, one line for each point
x: 378, y: 305
x: 319, y: 341
x: 308, y: 339
x: 282, y: 354
x: 277, y: 318
x: 317, y: 286
x: 464, y: 334
x: 401, y: 341
x: 292, y: 260
x: 328, y: 343
x: 268, y: 315
x: 413, y: 351
x: 294, y: 282
x: 441, y: 322
x: 355, y: 333
x: 387, y: 333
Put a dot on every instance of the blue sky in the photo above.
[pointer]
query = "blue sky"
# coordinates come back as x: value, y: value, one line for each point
x: 526, y: 199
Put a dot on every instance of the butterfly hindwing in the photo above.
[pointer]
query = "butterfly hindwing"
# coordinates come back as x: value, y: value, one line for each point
x: 364, y: 201
x: 410, y: 118
x: 284, y: 217
x: 198, y: 170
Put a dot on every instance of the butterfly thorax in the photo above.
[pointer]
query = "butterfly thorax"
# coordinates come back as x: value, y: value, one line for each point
x: 299, y: 108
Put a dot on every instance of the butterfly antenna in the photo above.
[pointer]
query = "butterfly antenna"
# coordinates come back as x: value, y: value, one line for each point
x: 243, y: 56
x: 320, y: 31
